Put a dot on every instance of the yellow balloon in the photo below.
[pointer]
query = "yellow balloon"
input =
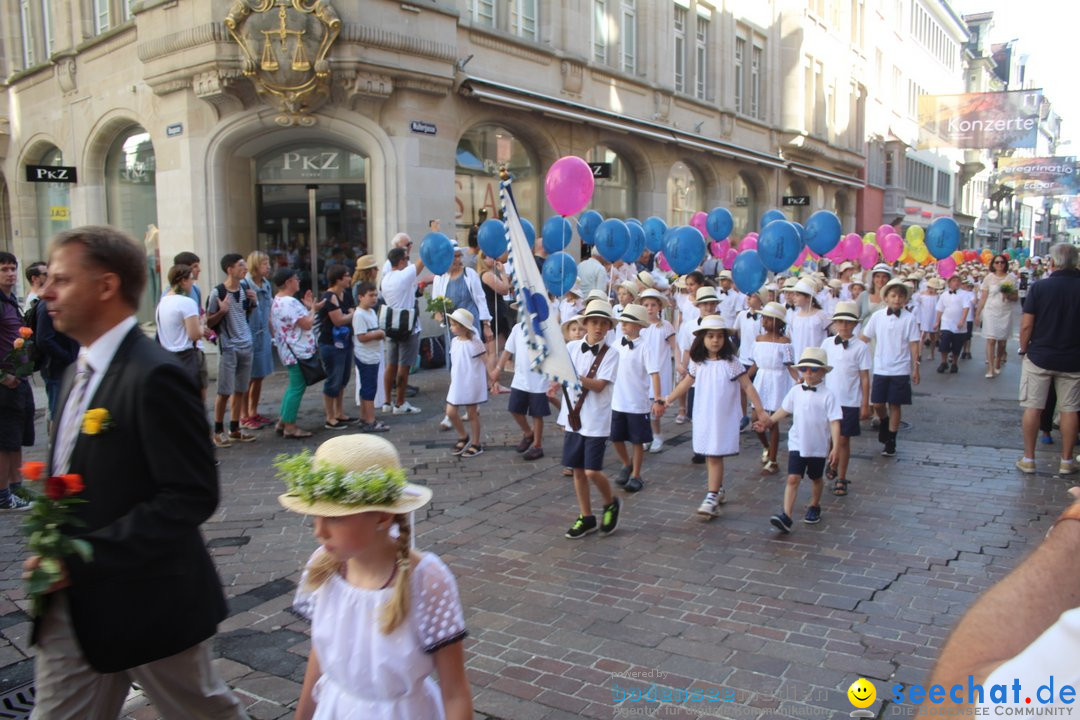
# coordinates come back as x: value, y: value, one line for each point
x: 920, y: 253
x: 915, y: 234
x: 904, y: 257
x: 958, y: 257
x: 870, y: 238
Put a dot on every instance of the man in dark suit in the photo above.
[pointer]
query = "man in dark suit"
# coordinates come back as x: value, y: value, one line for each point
x: 145, y: 606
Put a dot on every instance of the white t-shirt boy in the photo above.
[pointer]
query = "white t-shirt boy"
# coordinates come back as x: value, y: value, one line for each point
x: 525, y: 378
x: 812, y: 411
x: 844, y: 379
x: 365, y: 321
x: 596, y: 410
x: 892, y: 352
x: 634, y: 382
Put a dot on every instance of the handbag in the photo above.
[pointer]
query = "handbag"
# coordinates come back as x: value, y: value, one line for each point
x: 311, y: 368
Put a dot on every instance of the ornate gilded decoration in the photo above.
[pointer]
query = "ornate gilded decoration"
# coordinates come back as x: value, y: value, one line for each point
x: 284, y: 45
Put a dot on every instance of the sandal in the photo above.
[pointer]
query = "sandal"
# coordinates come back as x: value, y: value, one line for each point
x: 472, y: 451
x: 296, y: 435
x: 461, y: 445
x: 568, y: 472
x: 840, y: 488
x: 770, y: 467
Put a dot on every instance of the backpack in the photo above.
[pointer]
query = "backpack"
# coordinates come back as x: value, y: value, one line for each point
x: 34, y: 354
x: 398, y: 324
x: 220, y: 291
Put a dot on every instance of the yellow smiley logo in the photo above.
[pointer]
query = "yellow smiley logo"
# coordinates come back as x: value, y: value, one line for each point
x: 862, y: 693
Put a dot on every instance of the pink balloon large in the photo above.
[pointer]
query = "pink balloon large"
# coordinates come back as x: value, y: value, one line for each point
x: 720, y: 249
x: 946, y: 266
x: 698, y: 221
x: 748, y: 243
x: 569, y: 185
x: 836, y: 255
x: 852, y: 245
x: 868, y: 256
x: 662, y: 262
x: 884, y: 230
x: 729, y: 258
x: 892, y: 247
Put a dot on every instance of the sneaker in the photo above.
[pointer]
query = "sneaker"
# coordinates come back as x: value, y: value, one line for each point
x: 708, y: 507
x: 943, y: 367
x: 813, y: 515
x: 1046, y: 440
x: 721, y: 496
x: 657, y: 445
x: 890, y: 448
x: 584, y: 525
x: 221, y: 440
x: 373, y: 427
x: 953, y: 369
x: 263, y: 420
x: 525, y: 444
x: 15, y: 503
x: 387, y: 407
x: 764, y: 456
x: 965, y: 356
x: 744, y: 423
x: 610, y: 518
x: 445, y: 423
x: 533, y: 453
x: 250, y: 423
x: 634, y: 484
x: 681, y: 419
x: 623, y: 475
x: 698, y: 459
x: 1066, y: 467
x: 405, y: 408
x: 1026, y: 466
x: 335, y: 425
x: 781, y: 522
x: 241, y: 436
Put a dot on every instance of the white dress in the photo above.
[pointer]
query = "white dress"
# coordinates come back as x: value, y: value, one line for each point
x: 716, y: 406
x: 772, y: 380
x: 468, y: 375
x: 367, y: 675
x: 807, y: 331
x: 926, y: 305
x: 998, y: 312
x: 656, y: 337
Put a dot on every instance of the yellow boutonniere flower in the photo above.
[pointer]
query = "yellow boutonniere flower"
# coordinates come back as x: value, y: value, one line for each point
x: 95, y: 420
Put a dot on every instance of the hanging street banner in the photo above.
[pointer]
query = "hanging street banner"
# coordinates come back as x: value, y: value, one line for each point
x: 1040, y: 176
x: 997, y: 120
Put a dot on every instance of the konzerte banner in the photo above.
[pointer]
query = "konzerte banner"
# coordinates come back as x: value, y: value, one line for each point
x: 1040, y: 176
x: 980, y: 120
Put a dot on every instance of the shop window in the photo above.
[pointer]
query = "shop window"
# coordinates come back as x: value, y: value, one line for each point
x: 480, y: 153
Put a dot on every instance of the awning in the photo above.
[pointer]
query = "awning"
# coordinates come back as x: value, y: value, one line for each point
x: 826, y: 175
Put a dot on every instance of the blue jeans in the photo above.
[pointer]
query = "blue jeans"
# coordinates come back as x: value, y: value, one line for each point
x: 338, y: 365
x: 52, y: 389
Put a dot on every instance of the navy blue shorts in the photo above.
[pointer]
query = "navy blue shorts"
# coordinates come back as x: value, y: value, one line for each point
x: 951, y: 342
x: 971, y: 329
x: 16, y: 417
x: 631, y: 427
x: 891, y: 389
x: 580, y: 452
x: 849, y: 423
x: 811, y: 467
x: 527, y: 403
x: 369, y: 379
x: 689, y: 404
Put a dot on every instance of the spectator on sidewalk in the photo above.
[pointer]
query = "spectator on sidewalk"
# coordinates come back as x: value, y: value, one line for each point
x: 399, y: 291
x: 290, y: 326
x: 1050, y: 345
x: 262, y: 358
x: 334, y: 323
x: 57, y: 352
x: 16, y: 397
x: 178, y: 326
x: 36, y: 275
x: 227, y: 311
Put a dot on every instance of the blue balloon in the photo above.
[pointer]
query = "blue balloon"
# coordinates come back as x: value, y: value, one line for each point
x: 611, y: 239
x: 587, y: 224
x: 437, y: 252
x: 530, y: 232
x: 771, y: 215
x: 556, y: 234
x: 779, y: 245
x: 491, y: 237
x: 719, y: 223
x: 823, y: 231
x: 633, y: 221
x: 560, y: 273
x: 636, y: 246
x: 942, y: 237
x: 655, y: 229
x: 748, y: 272
x: 686, y: 250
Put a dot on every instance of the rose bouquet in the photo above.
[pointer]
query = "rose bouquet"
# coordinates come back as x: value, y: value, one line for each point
x: 20, y: 359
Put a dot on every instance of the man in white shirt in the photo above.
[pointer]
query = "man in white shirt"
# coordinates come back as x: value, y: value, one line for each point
x: 593, y: 274
x: 401, y: 240
x: 952, y: 313
x: 399, y: 291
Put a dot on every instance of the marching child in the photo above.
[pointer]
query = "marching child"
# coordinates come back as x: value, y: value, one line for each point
x: 367, y: 353
x: 951, y: 322
x: 816, y: 421
x: 571, y: 304
x: 967, y: 286
x: 926, y: 306
x: 588, y: 423
x: 849, y: 382
x: 572, y: 330
x: 856, y: 287
x: 808, y: 326
x: 705, y: 303
x: 660, y: 339
x: 773, y: 377
x: 747, y: 328
x: 719, y: 378
x: 896, y: 361
x: 468, y: 382
x: 528, y: 400
x: 638, y: 378
x: 369, y: 595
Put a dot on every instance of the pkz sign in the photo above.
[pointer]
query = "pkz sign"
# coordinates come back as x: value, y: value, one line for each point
x: 796, y: 200
x: 50, y: 174
x: 600, y: 170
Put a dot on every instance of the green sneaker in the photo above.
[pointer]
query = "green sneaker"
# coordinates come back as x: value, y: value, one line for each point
x: 611, y: 517
x: 584, y: 525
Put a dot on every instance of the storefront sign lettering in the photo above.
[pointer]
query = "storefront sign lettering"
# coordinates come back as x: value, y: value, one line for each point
x: 796, y: 200
x: 310, y: 163
x: 51, y: 173
x: 424, y: 128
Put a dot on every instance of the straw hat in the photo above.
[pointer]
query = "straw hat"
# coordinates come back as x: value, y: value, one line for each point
x: 636, y: 314
x: 575, y: 291
x: 835, y: 284
x: 804, y: 287
x: 596, y: 295
x: 680, y: 283
x: 706, y: 294
x: 790, y: 282
x: 366, y: 262
x: 464, y: 317
x: 600, y: 309
x: 771, y: 287
x: 813, y: 358
x: 645, y: 278
x: 567, y: 321
x: 362, y: 467
x: 846, y: 265
x: 710, y: 322
x: 896, y: 283
x: 857, y: 279
x: 725, y: 275
x: 846, y: 310
x: 776, y: 311
x: 631, y: 287
x: 654, y: 294
x: 882, y: 268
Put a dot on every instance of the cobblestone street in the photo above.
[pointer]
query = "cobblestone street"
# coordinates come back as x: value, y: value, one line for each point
x: 558, y: 628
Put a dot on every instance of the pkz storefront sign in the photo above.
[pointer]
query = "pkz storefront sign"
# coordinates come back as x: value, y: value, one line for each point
x: 51, y: 174
x: 312, y: 162
x: 796, y: 200
x: 600, y: 170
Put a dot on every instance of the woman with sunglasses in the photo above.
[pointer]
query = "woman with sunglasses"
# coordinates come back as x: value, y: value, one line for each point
x: 995, y: 310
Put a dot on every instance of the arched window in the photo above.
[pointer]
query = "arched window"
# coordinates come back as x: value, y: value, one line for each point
x: 480, y: 153
x: 684, y: 194
x: 131, y: 199
x: 614, y: 196
x: 53, y: 202
x: 746, y: 211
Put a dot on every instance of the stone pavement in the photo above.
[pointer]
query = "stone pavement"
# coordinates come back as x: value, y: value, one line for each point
x: 778, y: 626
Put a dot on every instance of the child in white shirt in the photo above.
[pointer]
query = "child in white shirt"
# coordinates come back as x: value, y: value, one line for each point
x: 528, y: 399
x: 660, y: 338
x: 849, y: 381
x: 468, y: 382
x: 896, y: 361
x: 951, y: 321
x: 367, y: 353
x: 639, y: 376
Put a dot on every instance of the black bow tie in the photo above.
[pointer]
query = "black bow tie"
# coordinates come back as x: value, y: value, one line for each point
x: 952, y: 292
x: 841, y: 341
x: 790, y: 307
x: 628, y: 342
x: 586, y: 347
x: 890, y: 311
x: 723, y: 292
x: 811, y: 388
x: 751, y: 315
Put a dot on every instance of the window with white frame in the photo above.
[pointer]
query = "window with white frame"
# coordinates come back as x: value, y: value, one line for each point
x: 701, y: 55
x: 600, y: 31
x: 820, y: 106
x: 739, y: 64
x: 101, y: 16
x: 680, y: 48
x: 628, y: 34
x: 26, y: 21
x: 749, y: 59
x: 128, y: 5
x: 523, y: 19
x: 757, y: 104
x: 46, y: 26
x: 483, y: 12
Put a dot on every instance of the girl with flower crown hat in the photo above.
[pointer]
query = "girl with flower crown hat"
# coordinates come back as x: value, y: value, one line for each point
x: 384, y: 617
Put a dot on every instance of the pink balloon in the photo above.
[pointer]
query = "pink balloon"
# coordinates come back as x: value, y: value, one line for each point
x: 884, y: 230
x: 569, y: 185
x: 720, y: 249
x: 662, y: 262
x: 892, y: 247
x: 946, y: 267
x: 729, y: 258
x: 748, y: 243
x: 852, y: 246
x: 868, y: 256
x: 698, y: 221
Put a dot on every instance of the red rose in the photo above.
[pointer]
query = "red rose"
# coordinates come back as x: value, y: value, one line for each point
x: 73, y: 483
x: 32, y: 470
x: 25, y: 332
x: 55, y: 487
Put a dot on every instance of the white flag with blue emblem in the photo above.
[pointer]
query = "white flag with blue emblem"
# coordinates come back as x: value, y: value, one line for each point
x: 539, y: 318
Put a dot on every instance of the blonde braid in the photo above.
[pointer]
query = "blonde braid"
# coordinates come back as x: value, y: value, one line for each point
x: 396, y: 610
x: 321, y: 570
